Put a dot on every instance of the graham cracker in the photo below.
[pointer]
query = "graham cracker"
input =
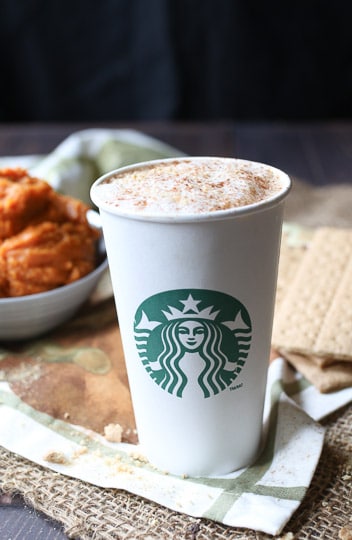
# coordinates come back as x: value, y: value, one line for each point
x: 322, y: 361
x: 329, y: 379
x: 315, y: 314
x: 294, y: 243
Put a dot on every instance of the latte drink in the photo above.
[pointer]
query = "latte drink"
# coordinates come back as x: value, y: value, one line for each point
x: 193, y: 246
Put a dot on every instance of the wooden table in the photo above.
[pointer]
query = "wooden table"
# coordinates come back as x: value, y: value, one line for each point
x: 319, y: 153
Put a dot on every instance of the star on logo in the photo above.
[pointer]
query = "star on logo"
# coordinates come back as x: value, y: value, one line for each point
x: 147, y: 324
x: 237, y: 324
x: 190, y: 310
x: 190, y: 304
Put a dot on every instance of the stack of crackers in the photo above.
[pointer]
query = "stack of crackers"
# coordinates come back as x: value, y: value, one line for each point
x: 313, y: 312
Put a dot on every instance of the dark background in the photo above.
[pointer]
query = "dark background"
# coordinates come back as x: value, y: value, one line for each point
x: 121, y: 60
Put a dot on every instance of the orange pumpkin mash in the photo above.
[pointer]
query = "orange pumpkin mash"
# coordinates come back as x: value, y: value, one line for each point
x: 45, y: 238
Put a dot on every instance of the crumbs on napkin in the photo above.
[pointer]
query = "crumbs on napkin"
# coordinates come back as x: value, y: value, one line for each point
x: 113, y: 433
x: 54, y: 456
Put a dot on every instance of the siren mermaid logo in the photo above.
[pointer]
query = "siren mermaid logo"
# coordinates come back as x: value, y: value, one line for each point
x: 192, y: 334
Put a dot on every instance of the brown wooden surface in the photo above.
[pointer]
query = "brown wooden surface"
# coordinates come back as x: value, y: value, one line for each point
x: 319, y: 153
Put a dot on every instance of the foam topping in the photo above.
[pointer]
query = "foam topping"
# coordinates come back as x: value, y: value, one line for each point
x: 190, y: 186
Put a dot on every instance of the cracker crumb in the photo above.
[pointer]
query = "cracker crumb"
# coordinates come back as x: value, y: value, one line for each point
x: 123, y: 468
x: 113, y: 433
x: 54, y: 456
x: 139, y: 457
x: 113, y: 461
x: 80, y: 451
x: 345, y: 533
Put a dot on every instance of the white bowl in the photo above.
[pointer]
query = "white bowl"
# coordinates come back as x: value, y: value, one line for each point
x: 29, y: 316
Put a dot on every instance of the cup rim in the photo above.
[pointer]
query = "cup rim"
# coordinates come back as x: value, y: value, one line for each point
x: 216, y: 215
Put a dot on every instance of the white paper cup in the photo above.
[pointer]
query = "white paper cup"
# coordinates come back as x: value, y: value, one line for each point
x: 195, y: 300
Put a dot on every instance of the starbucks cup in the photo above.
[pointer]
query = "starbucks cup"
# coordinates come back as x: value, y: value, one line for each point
x: 194, y: 290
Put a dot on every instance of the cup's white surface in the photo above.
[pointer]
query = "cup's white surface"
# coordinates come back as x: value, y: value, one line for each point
x: 182, y: 270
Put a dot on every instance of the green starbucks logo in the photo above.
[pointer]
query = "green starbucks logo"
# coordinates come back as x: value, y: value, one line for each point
x: 208, y: 332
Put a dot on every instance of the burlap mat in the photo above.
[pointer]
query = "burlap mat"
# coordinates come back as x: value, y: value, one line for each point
x: 88, y: 512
